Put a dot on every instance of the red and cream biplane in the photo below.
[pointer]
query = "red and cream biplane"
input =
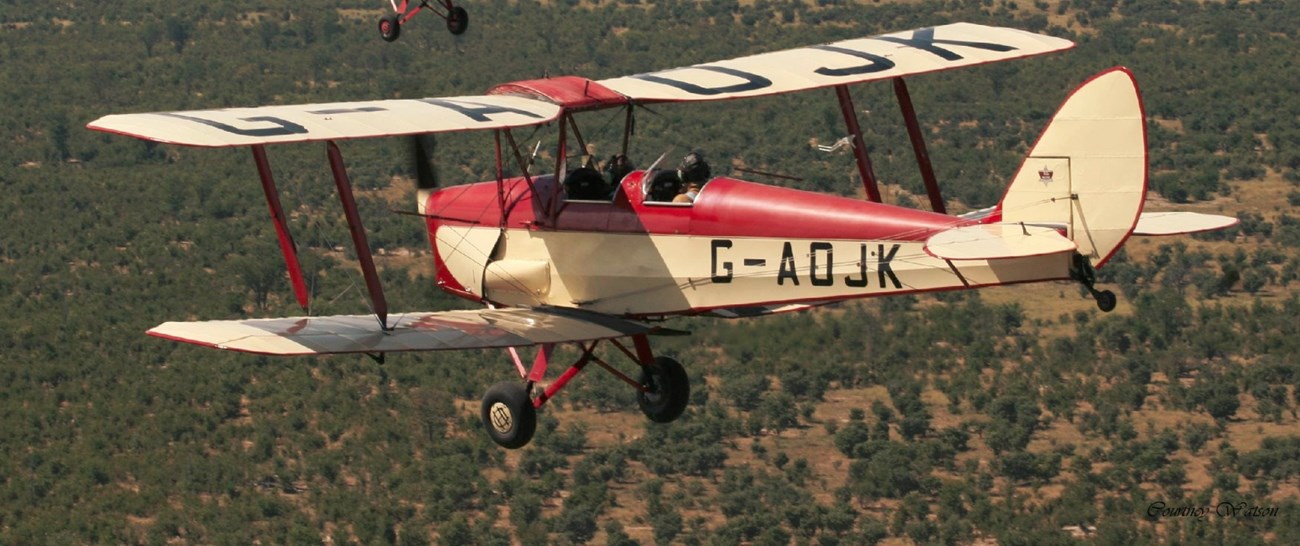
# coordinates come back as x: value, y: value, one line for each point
x: 533, y: 249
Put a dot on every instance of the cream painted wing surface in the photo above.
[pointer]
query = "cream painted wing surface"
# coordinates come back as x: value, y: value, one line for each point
x: 997, y: 241
x: 331, y: 121
x: 839, y: 63
x: 428, y: 331
x: 1178, y: 223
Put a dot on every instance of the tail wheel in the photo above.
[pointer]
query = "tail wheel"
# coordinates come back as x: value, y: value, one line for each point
x: 390, y: 28
x: 457, y: 20
x: 1105, y: 300
x: 669, y: 390
x: 508, y: 415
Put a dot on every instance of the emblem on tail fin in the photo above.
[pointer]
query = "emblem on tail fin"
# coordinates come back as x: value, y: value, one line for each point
x: 1045, y: 176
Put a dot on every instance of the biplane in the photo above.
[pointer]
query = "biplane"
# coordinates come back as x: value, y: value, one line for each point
x: 589, y: 258
x: 390, y: 26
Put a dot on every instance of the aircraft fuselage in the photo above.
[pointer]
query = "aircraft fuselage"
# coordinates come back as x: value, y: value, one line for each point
x: 738, y: 248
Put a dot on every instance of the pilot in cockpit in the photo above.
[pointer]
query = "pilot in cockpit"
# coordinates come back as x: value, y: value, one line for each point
x: 585, y: 183
x: 618, y: 167
x: 693, y: 172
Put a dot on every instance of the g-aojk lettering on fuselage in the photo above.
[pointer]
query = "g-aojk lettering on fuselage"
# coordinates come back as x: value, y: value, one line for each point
x: 817, y: 264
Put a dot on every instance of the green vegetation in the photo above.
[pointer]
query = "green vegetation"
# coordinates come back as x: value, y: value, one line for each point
x: 1009, y: 415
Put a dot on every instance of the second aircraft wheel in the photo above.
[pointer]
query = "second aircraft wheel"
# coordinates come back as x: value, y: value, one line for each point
x: 389, y: 27
x: 457, y: 20
x: 508, y: 414
x: 670, y: 390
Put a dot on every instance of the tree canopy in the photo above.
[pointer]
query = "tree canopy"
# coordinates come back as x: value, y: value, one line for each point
x: 941, y: 418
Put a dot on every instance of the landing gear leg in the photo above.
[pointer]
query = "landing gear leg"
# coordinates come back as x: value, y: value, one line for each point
x: 509, y: 410
x: 1081, y: 270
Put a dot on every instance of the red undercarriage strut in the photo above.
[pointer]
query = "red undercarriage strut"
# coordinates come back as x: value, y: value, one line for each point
x: 537, y: 373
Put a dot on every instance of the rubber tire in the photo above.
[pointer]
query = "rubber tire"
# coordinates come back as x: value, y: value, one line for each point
x: 457, y: 21
x: 673, y: 390
x: 1106, y: 301
x: 508, y: 415
x: 390, y: 28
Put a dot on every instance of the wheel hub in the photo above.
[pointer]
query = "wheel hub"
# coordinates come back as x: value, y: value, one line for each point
x: 654, y: 393
x: 502, y: 420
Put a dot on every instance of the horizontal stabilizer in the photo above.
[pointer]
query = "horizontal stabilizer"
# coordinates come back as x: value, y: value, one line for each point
x: 1178, y: 223
x: 427, y: 331
x: 997, y: 241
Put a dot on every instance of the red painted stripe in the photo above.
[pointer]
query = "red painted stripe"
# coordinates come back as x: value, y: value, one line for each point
x: 726, y: 207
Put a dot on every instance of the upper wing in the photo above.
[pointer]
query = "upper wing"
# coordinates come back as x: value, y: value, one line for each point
x: 330, y: 121
x: 429, y: 331
x: 996, y: 241
x: 839, y: 63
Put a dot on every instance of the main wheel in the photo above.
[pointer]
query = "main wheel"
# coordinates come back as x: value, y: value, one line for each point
x: 457, y: 20
x: 508, y: 414
x: 1106, y: 300
x: 389, y: 27
x: 670, y: 390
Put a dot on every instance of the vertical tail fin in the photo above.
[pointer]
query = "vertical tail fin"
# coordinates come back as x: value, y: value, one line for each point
x: 1088, y: 170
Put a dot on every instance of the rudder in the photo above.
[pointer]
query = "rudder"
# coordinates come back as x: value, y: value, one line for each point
x: 1088, y: 170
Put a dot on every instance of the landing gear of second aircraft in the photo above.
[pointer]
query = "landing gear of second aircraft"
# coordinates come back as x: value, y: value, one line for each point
x: 390, y: 26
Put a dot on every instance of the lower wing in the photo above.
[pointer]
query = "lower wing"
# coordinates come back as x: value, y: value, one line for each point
x: 426, y: 331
